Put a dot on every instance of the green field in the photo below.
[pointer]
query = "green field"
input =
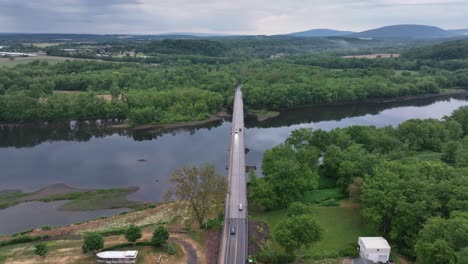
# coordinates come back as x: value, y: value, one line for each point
x: 341, y: 227
x: 22, y: 60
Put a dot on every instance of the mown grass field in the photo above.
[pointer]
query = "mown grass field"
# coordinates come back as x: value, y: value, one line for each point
x: 22, y: 60
x: 341, y: 227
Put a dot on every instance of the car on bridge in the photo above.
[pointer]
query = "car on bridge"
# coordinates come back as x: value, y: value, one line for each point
x: 233, y: 230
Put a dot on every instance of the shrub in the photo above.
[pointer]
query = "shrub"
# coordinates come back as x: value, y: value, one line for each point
x: 349, y: 251
x: 160, y: 236
x: 21, y: 239
x: 41, y: 249
x: 133, y: 233
x: 171, y: 250
x: 113, y: 232
x: 214, y: 224
x: 92, y: 242
x: 46, y: 227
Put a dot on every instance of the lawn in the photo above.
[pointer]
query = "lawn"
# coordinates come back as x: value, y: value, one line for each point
x: 21, y: 60
x: 341, y: 227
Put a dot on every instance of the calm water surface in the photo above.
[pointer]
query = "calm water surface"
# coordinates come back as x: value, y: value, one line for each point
x: 82, y: 156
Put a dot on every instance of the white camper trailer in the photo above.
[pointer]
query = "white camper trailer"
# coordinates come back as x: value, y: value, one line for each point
x: 375, y: 249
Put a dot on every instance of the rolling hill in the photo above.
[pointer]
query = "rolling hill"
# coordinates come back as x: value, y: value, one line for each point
x: 405, y: 32
x: 322, y: 32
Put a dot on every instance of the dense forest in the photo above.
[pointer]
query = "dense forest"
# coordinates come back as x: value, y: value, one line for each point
x: 410, y: 180
x: 201, y: 74
x: 142, y: 93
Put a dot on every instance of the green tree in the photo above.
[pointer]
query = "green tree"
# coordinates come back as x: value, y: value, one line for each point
x: 287, y: 175
x: 160, y: 236
x: 92, y: 242
x: 171, y: 249
x: 133, y: 233
x: 297, y: 232
x: 41, y: 249
x: 298, y: 208
x: 201, y: 187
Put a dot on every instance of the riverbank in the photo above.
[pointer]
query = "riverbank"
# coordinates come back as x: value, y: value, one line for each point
x: 77, y: 199
x: 263, y: 115
x: 444, y: 93
x: 64, y: 243
x: 149, y: 127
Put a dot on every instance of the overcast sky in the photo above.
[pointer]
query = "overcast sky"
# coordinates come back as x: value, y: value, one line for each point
x: 223, y: 16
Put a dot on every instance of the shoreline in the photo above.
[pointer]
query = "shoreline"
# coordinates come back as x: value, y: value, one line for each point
x: 386, y: 100
x: 77, y: 199
x: 223, y: 114
x: 148, y: 127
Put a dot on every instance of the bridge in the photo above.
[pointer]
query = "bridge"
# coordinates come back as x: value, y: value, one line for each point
x: 234, y: 239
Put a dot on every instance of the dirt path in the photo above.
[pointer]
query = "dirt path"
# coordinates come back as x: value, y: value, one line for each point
x: 190, y: 252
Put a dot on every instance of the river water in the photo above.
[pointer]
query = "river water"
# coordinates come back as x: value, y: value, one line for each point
x: 83, y: 155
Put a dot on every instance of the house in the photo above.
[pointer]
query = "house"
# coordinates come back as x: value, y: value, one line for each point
x: 117, y: 257
x: 375, y: 249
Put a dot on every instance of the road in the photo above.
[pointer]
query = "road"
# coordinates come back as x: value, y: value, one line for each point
x: 234, y: 246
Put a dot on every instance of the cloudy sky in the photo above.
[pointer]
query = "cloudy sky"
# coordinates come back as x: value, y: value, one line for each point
x: 223, y: 16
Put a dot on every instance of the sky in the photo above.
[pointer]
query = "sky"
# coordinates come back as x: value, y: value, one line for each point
x: 253, y: 17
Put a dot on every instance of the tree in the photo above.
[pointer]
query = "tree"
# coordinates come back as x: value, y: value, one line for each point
x: 288, y: 174
x: 171, y: 250
x: 201, y: 187
x: 298, y: 208
x: 41, y: 249
x: 296, y: 232
x: 160, y: 236
x: 92, y: 242
x: 133, y: 233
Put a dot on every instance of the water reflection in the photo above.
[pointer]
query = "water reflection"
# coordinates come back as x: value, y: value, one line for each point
x: 315, y: 114
x: 86, y: 155
x: 19, y: 218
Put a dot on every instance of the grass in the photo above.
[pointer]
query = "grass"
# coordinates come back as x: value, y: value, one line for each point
x: 22, y: 60
x: 82, y: 200
x: 263, y: 114
x: 451, y: 90
x: 424, y: 156
x: 341, y: 227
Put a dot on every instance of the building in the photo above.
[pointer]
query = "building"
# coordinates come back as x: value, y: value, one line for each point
x: 375, y: 249
x: 117, y: 257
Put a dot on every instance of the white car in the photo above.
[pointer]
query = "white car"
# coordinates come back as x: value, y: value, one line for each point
x: 237, y: 131
x: 241, y: 207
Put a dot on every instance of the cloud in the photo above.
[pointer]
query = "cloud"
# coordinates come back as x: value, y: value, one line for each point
x: 223, y: 16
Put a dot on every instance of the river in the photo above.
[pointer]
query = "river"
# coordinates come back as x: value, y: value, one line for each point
x: 85, y: 155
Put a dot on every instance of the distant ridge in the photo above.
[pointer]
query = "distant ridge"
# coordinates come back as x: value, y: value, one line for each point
x: 406, y: 32
x: 321, y: 32
x: 459, y: 31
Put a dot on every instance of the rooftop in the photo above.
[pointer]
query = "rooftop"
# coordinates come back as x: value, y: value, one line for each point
x: 117, y: 254
x: 374, y: 242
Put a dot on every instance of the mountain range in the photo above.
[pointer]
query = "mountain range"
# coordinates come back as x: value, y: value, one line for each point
x: 388, y: 32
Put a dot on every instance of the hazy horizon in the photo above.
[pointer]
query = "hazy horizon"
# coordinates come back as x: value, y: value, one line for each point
x: 259, y: 17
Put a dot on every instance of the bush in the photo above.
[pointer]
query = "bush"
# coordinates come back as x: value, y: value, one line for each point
x: 21, y: 239
x: 268, y: 255
x: 46, y: 227
x: 322, y: 196
x: 41, y: 249
x: 22, y: 233
x: 349, y: 251
x: 160, y: 236
x: 133, y: 233
x: 113, y: 232
x: 171, y: 250
x: 214, y: 224
x: 92, y: 242
x: 330, y: 202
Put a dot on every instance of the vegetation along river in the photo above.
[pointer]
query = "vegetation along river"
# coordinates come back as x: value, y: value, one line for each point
x: 83, y: 155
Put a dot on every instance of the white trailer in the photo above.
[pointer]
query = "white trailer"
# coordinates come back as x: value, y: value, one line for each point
x: 375, y: 249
